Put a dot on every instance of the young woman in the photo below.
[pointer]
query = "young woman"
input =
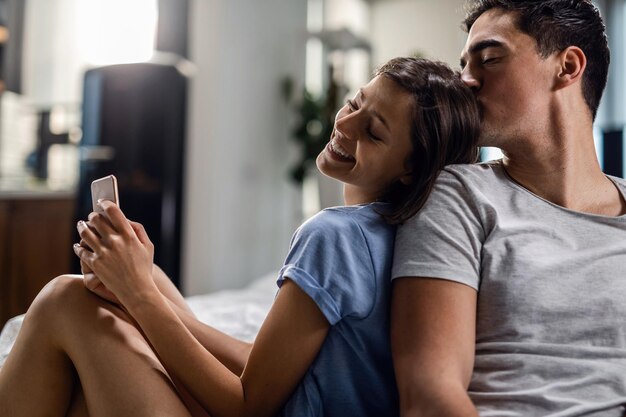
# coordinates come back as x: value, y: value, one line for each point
x: 324, y: 346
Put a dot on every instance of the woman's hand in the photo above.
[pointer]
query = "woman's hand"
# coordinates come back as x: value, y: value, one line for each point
x: 121, y: 254
x: 92, y: 282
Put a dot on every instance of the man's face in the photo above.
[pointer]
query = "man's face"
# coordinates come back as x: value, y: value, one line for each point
x: 512, y: 82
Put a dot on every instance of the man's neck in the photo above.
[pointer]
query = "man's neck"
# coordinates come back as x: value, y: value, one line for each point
x: 565, y: 171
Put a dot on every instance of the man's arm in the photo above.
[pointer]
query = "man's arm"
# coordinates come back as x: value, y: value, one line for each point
x: 433, y: 324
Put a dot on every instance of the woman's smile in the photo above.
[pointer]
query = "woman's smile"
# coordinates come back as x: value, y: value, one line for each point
x: 337, y: 152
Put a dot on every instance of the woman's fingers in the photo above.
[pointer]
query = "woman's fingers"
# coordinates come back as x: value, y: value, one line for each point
x: 88, y: 237
x: 100, y: 224
x: 118, y: 257
x: 85, y: 255
x: 90, y: 281
x: 116, y: 218
x: 84, y: 245
x: 84, y: 268
x: 140, y: 231
x: 141, y: 234
x: 93, y: 284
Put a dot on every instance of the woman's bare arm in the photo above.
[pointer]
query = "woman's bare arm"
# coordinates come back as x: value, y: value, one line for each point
x: 433, y: 324
x: 167, y: 288
x: 287, y: 344
x: 232, y: 352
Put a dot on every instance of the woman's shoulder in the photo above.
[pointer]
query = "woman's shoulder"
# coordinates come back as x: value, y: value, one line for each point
x: 345, y: 220
x: 348, y: 217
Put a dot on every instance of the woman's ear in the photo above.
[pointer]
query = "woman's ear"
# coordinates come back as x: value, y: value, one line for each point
x: 406, y: 179
x: 572, y: 63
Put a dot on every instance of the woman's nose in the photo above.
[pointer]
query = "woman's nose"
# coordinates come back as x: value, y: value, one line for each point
x: 347, y: 125
x: 339, y: 134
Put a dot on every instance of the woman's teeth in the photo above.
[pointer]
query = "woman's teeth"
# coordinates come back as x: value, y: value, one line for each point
x: 339, y: 150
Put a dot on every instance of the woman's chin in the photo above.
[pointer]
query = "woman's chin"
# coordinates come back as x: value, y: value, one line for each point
x: 319, y: 161
x: 326, y: 170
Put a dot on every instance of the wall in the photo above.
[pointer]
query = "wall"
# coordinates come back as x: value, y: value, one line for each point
x: 63, y: 38
x: 431, y: 28
x: 612, y: 111
x: 402, y: 27
x: 240, y: 208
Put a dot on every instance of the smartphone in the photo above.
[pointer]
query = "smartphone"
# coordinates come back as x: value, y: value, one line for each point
x: 104, y: 189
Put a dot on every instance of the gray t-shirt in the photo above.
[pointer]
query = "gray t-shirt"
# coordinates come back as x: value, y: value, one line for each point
x: 551, y: 282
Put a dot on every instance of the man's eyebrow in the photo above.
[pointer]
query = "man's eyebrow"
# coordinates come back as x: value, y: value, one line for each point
x: 375, y: 113
x: 479, y: 46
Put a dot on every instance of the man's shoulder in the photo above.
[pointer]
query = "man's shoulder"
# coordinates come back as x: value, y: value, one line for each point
x: 481, y: 176
x: 619, y: 181
x: 479, y: 169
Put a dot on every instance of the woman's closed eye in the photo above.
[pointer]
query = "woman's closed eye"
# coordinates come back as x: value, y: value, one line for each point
x: 352, y: 106
x: 372, y: 136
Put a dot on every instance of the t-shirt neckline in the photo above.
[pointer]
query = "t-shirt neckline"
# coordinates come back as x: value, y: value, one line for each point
x: 580, y: 213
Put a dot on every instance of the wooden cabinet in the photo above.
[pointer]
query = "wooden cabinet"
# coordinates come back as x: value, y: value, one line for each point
x: 5, y: 209
x: 35, y: 246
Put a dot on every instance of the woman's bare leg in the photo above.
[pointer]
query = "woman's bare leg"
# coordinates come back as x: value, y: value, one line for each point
x: 168, y: 289
x: 78, y: 406
x: 37, y: 378
x: 68, y: 327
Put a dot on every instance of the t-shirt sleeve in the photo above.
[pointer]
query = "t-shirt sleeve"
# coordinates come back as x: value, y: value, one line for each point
x: 330, y: 261
x: 444, y: 240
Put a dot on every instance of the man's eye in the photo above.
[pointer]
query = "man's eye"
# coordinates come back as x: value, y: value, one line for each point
x: 351, y: 105
x: 489, y: 60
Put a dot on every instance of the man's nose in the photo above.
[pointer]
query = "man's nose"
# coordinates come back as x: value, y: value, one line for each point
x: 470, y: 79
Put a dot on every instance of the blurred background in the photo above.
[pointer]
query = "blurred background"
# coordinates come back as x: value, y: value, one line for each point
x: 210, y: 114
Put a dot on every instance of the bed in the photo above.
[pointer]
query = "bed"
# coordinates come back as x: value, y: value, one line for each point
x: 235, y: 312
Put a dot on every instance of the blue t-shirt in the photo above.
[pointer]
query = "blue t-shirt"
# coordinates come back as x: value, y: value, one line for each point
x: 342, y: 259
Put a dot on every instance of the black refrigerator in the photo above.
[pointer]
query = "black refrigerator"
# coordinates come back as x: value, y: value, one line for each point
x: 133, y: 122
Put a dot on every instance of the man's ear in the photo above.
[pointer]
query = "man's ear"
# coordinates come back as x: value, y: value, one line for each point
x: 572, y: 63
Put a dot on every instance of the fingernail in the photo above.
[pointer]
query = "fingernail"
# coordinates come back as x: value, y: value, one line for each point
x: 76, y: 246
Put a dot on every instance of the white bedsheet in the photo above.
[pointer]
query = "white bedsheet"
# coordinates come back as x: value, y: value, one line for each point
x: 239, y: 313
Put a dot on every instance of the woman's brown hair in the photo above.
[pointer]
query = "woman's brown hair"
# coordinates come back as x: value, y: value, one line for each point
x: 445, y: 127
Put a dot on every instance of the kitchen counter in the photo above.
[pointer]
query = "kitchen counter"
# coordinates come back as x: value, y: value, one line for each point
x: 37, y: 229
x: 28, y: 187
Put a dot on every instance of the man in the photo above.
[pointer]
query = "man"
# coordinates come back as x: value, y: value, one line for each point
x: 509, y: 291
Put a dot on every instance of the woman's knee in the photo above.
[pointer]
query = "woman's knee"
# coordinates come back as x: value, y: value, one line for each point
x: 65, y: 298
x: 57, y: 293
x: 47, y: 311
x: 64, y: 307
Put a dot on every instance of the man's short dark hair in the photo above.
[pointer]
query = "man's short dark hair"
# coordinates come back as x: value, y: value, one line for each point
x: 556, y: 25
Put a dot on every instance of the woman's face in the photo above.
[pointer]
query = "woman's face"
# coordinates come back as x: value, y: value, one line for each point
x: 371, y: 141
